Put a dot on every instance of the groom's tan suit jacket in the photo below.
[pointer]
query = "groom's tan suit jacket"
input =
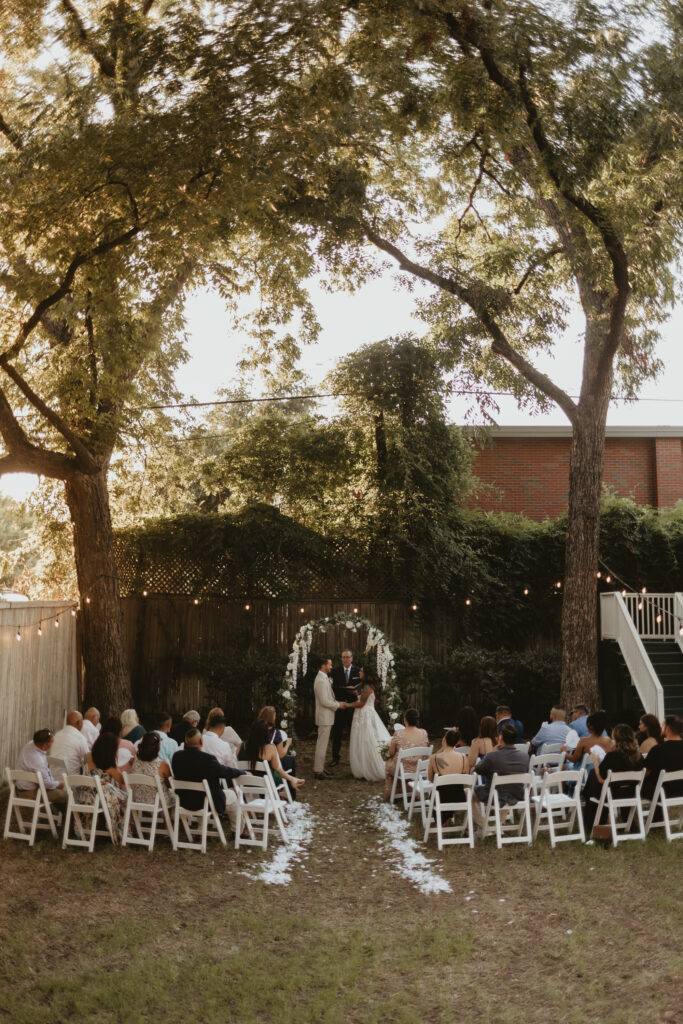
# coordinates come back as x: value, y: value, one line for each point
x: 325, y: 703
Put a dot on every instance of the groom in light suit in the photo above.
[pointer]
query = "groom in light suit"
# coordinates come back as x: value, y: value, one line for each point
x: 325, y: 708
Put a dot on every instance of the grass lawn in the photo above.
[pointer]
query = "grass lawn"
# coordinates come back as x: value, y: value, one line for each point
x: 576, y: 934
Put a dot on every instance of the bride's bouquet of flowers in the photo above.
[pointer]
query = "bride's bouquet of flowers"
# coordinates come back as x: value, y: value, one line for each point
x: 384, y: 750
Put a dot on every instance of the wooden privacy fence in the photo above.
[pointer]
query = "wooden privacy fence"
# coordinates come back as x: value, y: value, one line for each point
x: 178, y: 650
x: 38, y: 672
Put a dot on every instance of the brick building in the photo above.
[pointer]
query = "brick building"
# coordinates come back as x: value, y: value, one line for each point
x: 527, y: 468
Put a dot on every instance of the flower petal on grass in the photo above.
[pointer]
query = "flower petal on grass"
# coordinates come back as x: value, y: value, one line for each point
x: 403, y: 855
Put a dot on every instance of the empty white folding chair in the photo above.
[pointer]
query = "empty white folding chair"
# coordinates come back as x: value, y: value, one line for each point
x: 404, y: 776
x: 420, y: 790
x: 672, y: 828
x: 513, y: 829
x: 559, y: 812
x: 621, y: 796
x: 197, y: 824
x: 144, y: 819
x: 39, y: 813
x: 87, y: 812
x: 257, y: 800
x: 458, y: 831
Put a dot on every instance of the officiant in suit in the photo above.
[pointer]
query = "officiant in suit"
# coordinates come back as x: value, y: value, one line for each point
x: 342, y: 677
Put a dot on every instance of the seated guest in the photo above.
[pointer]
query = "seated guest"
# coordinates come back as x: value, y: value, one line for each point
x: 447, y: 761
x: 191, y: 764
x: 485, y: 740
x: 256, y: 747
x: 132, y: 730
x: 410, y: 736
x: 33, y: 758
x: 168, y: 745
x: 101, y: 761
x: 649, y: 734
x: 276, y: 736
x: 190, y: 720
x: 579, y: 720
x: 596, y: 738
x: 148, y: 761
x: 506, y: 759
x: 215, y: 744
x: 666, y: 756
x: 229, y: 736
x: 503, y: 715
x: 126, y: 751
x: 91, y: 726
x: 623, y: 757
x: 70, y: 744
x: 554, y: 731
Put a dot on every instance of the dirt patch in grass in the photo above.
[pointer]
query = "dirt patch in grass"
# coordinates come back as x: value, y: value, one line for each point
x: 524, y: 934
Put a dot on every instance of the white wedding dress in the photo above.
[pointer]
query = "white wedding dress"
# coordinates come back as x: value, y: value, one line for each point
x: 368, y: 733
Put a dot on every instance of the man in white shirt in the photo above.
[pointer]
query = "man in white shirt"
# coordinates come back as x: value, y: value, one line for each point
x: 33, y: 758
x: 70, y: 744
x: 91, y: 726
x: 216, y: 745
x: 325, y: 707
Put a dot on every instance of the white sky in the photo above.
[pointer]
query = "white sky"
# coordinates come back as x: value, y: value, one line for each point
x: 376, y: 311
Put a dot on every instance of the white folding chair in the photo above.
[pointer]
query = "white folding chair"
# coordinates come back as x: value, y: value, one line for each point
x: 455, y: 833
x: 619, y: 801
x: 263, y: 768
x: 257, y: 800
x: 57, y: 766
x: 35, y: 801
x: 197, y: 824
x: 79, y: 809
x: 147, y: 817
x: 666, y: 804
x: 561, y: 810
x: 512, y: 830
x: 404, y: 777
x: 420, y: 790
x: 541, y: 764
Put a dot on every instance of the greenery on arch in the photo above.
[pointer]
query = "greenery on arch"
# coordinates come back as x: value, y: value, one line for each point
x: 377, y: 647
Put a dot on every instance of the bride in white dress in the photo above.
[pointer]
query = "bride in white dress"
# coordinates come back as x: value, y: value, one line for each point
x: 368, y: 733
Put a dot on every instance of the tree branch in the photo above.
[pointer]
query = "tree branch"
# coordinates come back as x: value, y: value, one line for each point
x: 105, y: 63
x: 79, y: 448
x: 472, y: 297
x: 465, y: 31
x: 539, y: 262
x: 10, y: 134
x: 62, y: 289
x: 24, y: 457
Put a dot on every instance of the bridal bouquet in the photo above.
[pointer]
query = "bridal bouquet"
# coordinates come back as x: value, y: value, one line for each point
x: 384, y: 750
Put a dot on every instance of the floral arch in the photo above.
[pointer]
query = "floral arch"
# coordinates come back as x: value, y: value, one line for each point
x: 376, y: 644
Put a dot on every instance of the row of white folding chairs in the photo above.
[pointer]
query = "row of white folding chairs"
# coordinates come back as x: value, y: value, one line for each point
x: 85, y: 820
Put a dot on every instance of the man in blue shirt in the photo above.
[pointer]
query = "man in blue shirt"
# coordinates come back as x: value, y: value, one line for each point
x: 579, y: 720
x: 554, y: 731
x: 504, y: 714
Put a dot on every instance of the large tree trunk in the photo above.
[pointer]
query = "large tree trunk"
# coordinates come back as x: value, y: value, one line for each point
x: 579, y: 608
x: 107, y: 681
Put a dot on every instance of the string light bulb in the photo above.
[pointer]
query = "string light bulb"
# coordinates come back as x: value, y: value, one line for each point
x: 144, y: 593
x: 87, y: 600
x: 302, y: 610
x: 644, y: 590
x: 526, y: 591
x: 73, y: 612
x: 247, y: 607
x: 40, y: 630
x: 658, y: 619
x: 56, y: 623
x: 599, y: 574
x: 623, y: 593
x: 608, y: 579
x: 196, y: 600
x: 413, y: 607
x: 558, y: 584
x: 640, y: 606
x: 468, y: 602
x: 18, y: 634
x: 355, y: 611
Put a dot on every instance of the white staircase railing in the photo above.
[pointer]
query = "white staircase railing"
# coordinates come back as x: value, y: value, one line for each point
x: 618, y: 624
x: 654, y: 615
x: 678, y: 619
